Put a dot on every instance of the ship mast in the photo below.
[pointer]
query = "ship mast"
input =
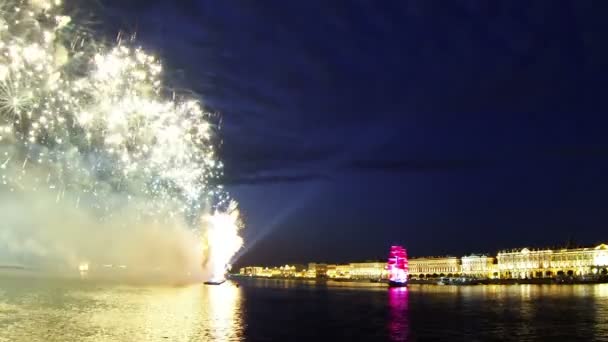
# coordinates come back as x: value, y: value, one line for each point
x: 397, y: 265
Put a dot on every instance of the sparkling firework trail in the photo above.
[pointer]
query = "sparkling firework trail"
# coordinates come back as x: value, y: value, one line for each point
x: 92, y: 122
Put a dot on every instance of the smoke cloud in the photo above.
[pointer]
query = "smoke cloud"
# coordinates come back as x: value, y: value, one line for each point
x: 100, y: 170
x: 51, y: 236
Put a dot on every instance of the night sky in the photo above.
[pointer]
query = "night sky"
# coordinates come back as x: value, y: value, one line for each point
x: 448, y: 126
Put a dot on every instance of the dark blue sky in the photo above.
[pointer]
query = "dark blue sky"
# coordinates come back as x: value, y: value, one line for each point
x: 447, y: 126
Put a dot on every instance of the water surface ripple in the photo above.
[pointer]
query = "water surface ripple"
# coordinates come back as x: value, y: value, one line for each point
x: 34, y: 309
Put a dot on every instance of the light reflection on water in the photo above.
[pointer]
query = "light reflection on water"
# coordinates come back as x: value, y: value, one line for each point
x: 225, y: 313
x: 65, y: 312
x: 601, y: 313
x: 398, y: 324
x: 60, y: 310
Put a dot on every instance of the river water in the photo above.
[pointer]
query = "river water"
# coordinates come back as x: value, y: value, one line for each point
x: 35, y: 309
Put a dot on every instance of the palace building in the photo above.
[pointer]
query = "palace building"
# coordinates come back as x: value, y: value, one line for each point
x: 434, y: 267
x: 252, y: 271
x: 479, y: 266
x: 368, y: 270
x: 343, y: 271
x: 544, y: 263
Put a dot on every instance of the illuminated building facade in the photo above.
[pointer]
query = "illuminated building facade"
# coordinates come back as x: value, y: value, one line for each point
x: 434, y: 267
x: 287, y: 271
x: 478, y: 266
x: 544, y: 263
x: 252, y: 271
x: 311, y: 271
x: 368, y: 270
x: 316, y: 270
x: 266, y: 272
x: 600, y: 259
x: 321, y: 271
x: 300, y: 271
x: 518, y: 264
x: 339, y: 271
x: 331, y: 271
x: 259, y: 271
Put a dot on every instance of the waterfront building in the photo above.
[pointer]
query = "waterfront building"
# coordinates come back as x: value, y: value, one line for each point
x: 478, y: 266
x: 495, y: 271
x: 343, y: 271
x: 300, y: 267
x: 331, y: 271
x: 252, y: 271
x: 600, y: 259
x: 264, y: 272
x: 321, y: 271
x: 287, y: 271
x: 259, y: 271
x: 429, y: 267
x: 300, y: 271
x: 521, y: 263
x: 275, y: 272
x: 311, y: 270
x: 541, y: 263
x: 368, y: 270
x: 316, y: 270
x: 338, y: 271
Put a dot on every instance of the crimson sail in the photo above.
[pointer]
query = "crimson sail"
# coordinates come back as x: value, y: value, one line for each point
x: 397, y: 267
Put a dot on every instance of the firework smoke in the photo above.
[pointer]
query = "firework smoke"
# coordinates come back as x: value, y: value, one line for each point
x: 96, y: 164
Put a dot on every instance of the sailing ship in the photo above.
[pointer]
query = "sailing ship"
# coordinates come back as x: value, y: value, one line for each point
x: 397, y: 267
x: 215, y: 282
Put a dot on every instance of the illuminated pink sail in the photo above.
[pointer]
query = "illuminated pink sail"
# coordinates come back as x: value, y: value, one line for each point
x: 397, y: 266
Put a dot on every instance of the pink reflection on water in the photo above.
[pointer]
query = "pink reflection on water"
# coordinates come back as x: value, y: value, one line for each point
x: 398, y: 324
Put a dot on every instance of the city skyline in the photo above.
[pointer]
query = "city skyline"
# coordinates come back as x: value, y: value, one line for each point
x: 568, y: 245
x: 543, y: 264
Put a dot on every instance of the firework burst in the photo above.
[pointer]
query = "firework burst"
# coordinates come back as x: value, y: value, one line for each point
x: 91, y: 125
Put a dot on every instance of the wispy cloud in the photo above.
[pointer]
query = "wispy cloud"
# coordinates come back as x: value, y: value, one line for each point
x: 413, y: 165
x: 275, y: 179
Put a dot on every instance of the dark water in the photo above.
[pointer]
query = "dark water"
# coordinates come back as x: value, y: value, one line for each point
x: 268, y: 310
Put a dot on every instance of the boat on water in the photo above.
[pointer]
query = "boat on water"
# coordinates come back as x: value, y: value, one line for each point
x: 444, y: 281
x: 215, y: 282
x: 397, y: 284
x: 397, y: 267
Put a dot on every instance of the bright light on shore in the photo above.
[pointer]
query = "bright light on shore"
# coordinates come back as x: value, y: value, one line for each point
x: 83, y: 267
x: 223, y: 240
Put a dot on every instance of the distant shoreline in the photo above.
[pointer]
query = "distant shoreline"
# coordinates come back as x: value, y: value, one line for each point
x: 11, y: 267
x: 541, y: 281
